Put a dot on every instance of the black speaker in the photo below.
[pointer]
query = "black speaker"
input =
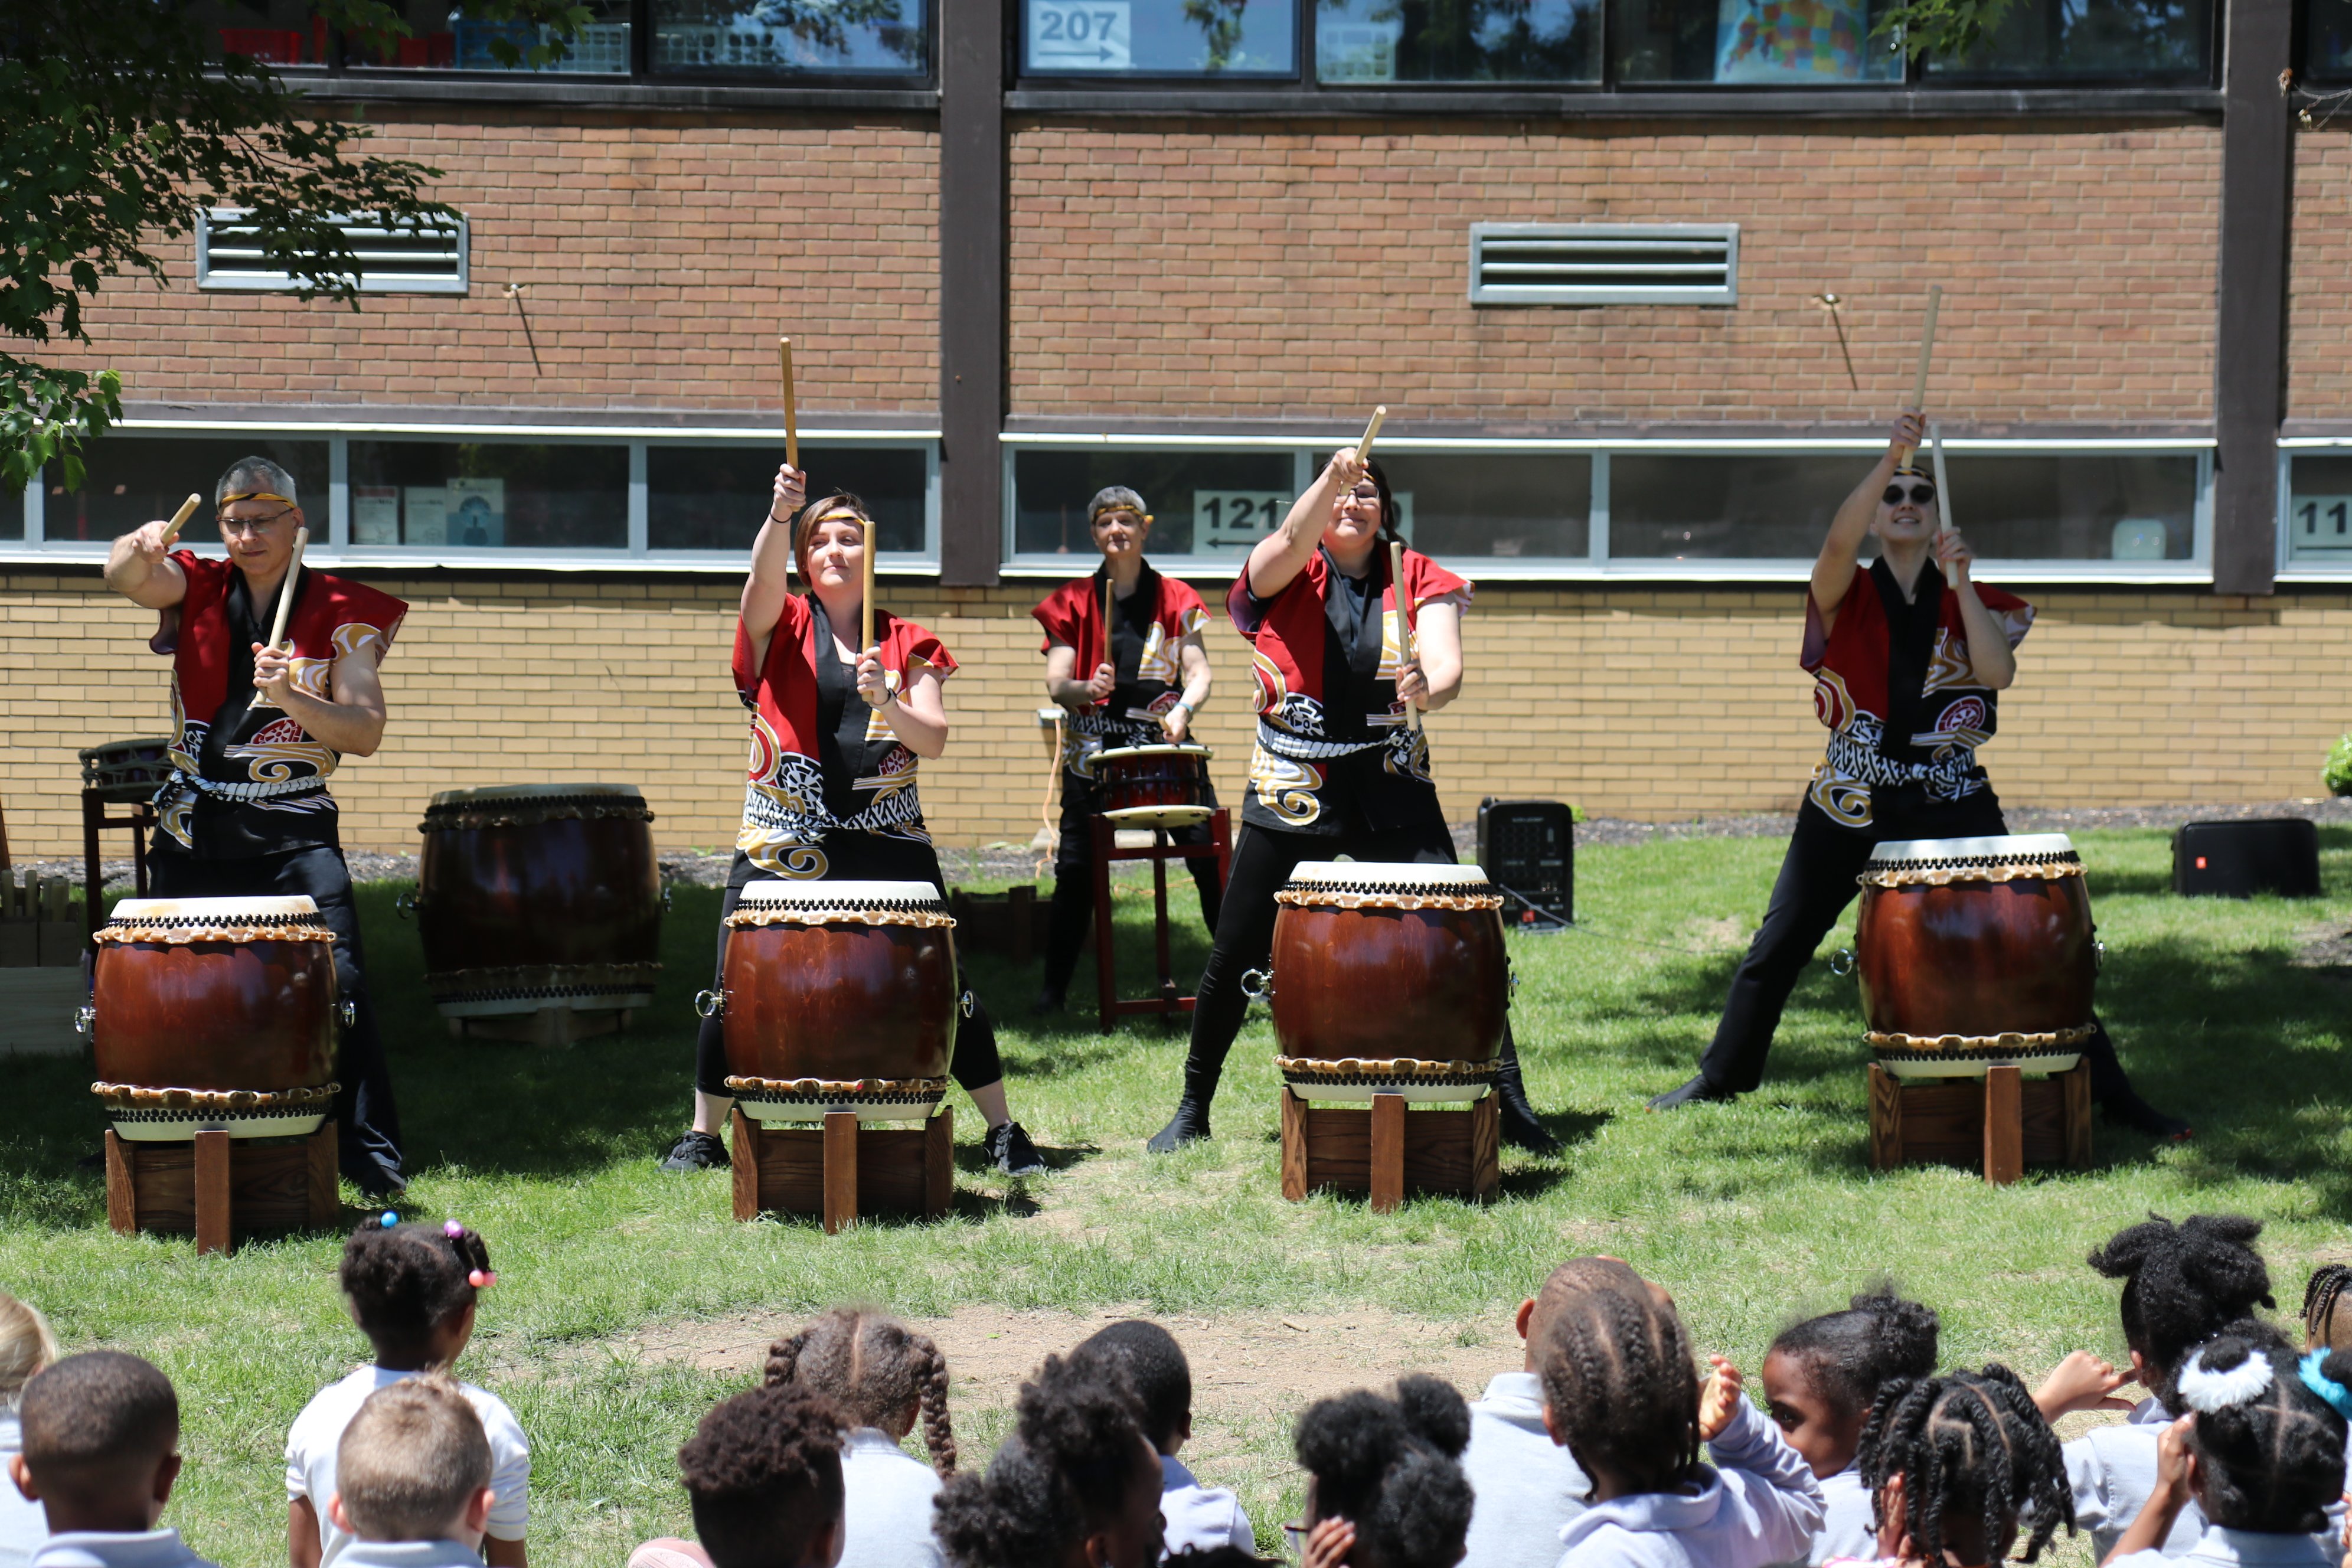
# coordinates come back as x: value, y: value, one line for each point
x: 2238, y: 860
x: 1528, y: 847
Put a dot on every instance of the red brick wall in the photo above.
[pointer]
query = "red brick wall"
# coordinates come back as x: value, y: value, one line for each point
x: 1216, y: 270
x: 2319, y: 267
x: 661, y: 258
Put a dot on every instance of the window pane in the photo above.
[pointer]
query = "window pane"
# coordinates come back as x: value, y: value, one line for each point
x: 2077, y: 507
x: 1506, y: 505
x: 1770, y: 43
x: 2319, y: 511
x: 1457, y: 40
x: 1205, y: 503
x: 132, y: 480
x: 1687, y: 508
x: 2123, y: 39
x: 441, y: 40
x: 2328, y: 40
x: 712, y: 498
x: 459, y: 495
x: 1160, y: 38
x: 272, y: 31
x: 767, y: 37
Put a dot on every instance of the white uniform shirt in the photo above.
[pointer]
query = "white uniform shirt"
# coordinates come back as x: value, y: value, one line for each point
x: 1525, y: 1488
x: 2219, y: 1548
x: 2112, y: 1471
x: 1846, y: 1530
x: 886, y: 1502
x: 1205, y: 1517
x: 23, y: 1524
x: 1761, y: 1505
x: 105, y: 1549
x: 409, y: 1554
x: 311, y: 1453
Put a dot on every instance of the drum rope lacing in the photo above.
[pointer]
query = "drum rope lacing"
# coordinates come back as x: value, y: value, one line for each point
x: 1383, y: 1068
x: 1943, y: 873
x: 530, y: 814
x: 1980, y: 1044
x: 1387, y: 895
x: 144, y: 1096
x: 180, y: 930
x: 862, y: 911
x: 888, y: 1090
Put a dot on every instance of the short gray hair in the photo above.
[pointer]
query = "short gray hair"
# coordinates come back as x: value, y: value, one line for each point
x: 250, y: 475
x: 1112, y: 497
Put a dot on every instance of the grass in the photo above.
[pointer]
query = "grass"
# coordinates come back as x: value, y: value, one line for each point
x: 1749, y: 1211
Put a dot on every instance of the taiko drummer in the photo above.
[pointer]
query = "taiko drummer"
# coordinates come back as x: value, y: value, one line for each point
x: 1907, y: 675
x: 1145, y: 694
x: 1338, y: 768
x: 259, y: 732
x: 837, y: 733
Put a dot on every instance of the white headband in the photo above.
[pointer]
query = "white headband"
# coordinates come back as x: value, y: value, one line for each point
x: 2205, y: 1390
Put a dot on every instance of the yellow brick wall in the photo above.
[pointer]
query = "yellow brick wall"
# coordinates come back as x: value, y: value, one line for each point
x: 1639, y: 703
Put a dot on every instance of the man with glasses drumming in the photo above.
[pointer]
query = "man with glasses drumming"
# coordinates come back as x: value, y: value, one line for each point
x: 1907, y: 675
x: 259, y: 728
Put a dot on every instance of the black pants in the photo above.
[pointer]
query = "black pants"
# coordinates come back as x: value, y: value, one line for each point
x: 850, y: 856
x: 1817, y: 882
x: 1263, y: 861
x: 367, y: 1123
x: 1074, y: 882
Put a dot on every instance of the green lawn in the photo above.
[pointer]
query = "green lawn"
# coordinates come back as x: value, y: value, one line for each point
x: 1748, y: 1211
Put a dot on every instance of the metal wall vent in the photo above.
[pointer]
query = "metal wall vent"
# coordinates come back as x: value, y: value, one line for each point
x: 1604, y: 264
x: 393, y: 260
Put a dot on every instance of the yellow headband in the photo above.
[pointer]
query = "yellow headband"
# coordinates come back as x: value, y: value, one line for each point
x: 841, y: 514
x: 1108, y: 511
x: 255, y: 495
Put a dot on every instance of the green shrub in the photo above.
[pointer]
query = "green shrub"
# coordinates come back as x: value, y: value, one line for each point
x: 2339, y: 770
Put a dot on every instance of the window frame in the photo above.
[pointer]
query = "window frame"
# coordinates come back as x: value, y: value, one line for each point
x: 2284, y: 566
x: 1302, y: 36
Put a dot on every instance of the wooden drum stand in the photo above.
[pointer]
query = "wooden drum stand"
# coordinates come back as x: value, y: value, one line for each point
x: 215, y: 1185
x: 1386, y: 1152
x: 1164, y: 1002
x: 2003, y: 1121
x: 840, y: 1170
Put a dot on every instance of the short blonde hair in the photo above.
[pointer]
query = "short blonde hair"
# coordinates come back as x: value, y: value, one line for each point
x: 26, y: 1346
x: 410, y: 1460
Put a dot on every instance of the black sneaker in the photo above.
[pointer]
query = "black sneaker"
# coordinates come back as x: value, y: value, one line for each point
x: 1188, y: 1125
x: 1011, y: 1148
x: 1697, y: 1091
x: 697, y: 1152
x: 377, y: 1182
x: 1519, y: 1127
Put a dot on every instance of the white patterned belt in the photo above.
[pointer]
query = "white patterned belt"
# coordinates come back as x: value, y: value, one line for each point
x: 1283, y: 743
x: 270, y: 790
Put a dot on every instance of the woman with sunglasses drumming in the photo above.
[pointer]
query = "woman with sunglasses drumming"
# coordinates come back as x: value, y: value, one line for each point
x: 1338, y: 768
x: 1907, y: 673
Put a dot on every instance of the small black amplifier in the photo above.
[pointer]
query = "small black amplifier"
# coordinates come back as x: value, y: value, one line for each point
x: 2238, y: 860
x: 1530, y: 848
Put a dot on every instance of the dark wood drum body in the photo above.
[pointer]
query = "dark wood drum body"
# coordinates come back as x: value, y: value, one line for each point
x: 1972, y: 951
x: 839, y: 996
x: 1389, y: 979
x: 539, y: 895
x: 1154, y: 786
x: 215, y: 1012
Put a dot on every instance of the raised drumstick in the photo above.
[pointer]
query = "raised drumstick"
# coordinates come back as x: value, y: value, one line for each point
x: 1109, y: 609
x: 1919, y: 382
x: 1371, y: 433
x: 866, y: 543
x: 285, y: 604
x: 1405, y: 609
x: 180, y: 518
x: 1943, y: 497
x: 792, y: 424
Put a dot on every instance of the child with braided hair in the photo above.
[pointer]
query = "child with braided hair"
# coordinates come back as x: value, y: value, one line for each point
x: 881, y: 1375
x: 411, y: 1289
x: 1075, y: 1486
x: 2327, y: 1309
x: 1385, y: 1486
x: 1953, y: 1465
x: 1821, y: 1379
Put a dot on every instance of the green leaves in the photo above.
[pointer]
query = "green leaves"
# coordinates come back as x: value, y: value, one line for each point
x: 1948, y: 28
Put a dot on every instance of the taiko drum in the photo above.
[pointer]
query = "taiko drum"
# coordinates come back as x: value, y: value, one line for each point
x: 1154, y: 786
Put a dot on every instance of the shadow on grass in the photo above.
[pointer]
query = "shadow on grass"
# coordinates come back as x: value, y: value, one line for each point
x: 971, y: 1159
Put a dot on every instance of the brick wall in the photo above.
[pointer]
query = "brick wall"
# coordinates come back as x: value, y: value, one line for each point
x: 1188, y: 269
x: 2319, y: 312
x: 661, y: 258
x: 1630, y: 701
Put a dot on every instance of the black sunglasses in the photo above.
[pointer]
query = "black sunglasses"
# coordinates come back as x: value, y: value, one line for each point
x: 1920, y: 495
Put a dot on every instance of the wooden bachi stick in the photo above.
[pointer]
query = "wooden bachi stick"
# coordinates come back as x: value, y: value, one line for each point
x: 1371, y: 433
x: 791, y: 422
x: 180, y: 518
x: 1942, y: 498
x: 285, y: 606
x: 1404, y: 611
x: 1926, y: 346
x: 1110, y: 609
x: 865, y: 552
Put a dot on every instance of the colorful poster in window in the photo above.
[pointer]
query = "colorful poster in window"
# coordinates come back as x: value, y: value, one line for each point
x: 477, y: 514
x: 1783, y: 42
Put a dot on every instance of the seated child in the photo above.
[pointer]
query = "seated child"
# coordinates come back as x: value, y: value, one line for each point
x: 411, y: 1289
x: 1155, y: 1368
x: 762, y: 1473
x: 412, y: 1478
x: 2182, y: 1285
x: 102, y: 1450
x: 1526, y: 1485
x: 1954, y: 1464
x: 881, y: 1377
x: 1820, y: 1379
x: 1075, y: 1486
x: 1384, y: 1487
x: 26, y: 1347
x: 1623, y: 1393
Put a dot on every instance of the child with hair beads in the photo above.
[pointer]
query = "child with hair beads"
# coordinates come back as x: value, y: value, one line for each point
x: 1153, y: 1363
x: 1953, y: 1464
x: 762, y: 1473
x: 411, y: 1289
x: 1075, y: 1486
x: 881, y: 1376
x: 1821, y: 1379
x: 102, y: 1452
x: 2182, y: 1285
x: 412, y: 1478
x: 1384, y: 1489
x: 1622, y: 1393
x: 26, y: 1347
x: 2327, y: 1314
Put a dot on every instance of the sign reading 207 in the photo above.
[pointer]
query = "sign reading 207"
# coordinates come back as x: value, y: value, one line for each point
x: 1079, y: 34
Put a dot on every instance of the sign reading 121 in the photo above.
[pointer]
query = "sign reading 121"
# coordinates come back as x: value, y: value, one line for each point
x: 1079, y: 34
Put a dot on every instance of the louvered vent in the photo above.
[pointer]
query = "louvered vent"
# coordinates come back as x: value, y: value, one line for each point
x: 393, y: 260
x: 1604, y: 264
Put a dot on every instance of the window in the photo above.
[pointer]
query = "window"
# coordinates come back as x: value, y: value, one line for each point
x: 1685, y: 507
x: 1205, y: 504
x: 1516, y: 506
x: 128, y: 482
x: 2078, y: 507
x: 1604, y: 264
x: 2132, y: 40
x: 270, y: 32
x: 766, y: 37
x: 2327, y: 41
x: 2319, y: 511
x: 1384, y: 41
x: 1752, y: 43
x: 1160, y: 38
x: 712, y: 498
x: 441, y: 41
x: 396, y: 260
x: 490, y: 495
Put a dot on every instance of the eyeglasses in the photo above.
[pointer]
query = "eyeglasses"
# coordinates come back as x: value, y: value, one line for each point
x: 254, y: 524
x: 1365, y: 492
x: 1920, y: 495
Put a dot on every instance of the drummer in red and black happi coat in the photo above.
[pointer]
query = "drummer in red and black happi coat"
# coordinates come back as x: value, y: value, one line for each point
x: 259, y: 730
x: 1908, y: 674
x: 837, y: 735
x: 1146, y: 694
x: 1338, y: 768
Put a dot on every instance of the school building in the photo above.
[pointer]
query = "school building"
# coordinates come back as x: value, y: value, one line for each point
x: 1640, y: 282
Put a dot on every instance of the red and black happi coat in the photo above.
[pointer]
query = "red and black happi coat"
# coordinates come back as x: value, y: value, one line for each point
x: 1072, y: 615
x: 244, y: 770
x: 1296, y: 739
x: 1900, y: 715
x: 786, y: 815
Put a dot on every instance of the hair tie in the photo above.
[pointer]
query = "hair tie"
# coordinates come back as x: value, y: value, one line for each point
x: 481, y: 1278
x: 2205, y: 1390
x: 452, y: 1230
x: 389, y: 1218
x: 2339, y: 1398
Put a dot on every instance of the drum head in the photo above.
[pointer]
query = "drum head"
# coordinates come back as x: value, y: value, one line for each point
x: 1399, y: 874
x: 1186, y: 749
x: 216, y: 912
x: 2018, y: 847
x: 514, y: 794
x: 842, y: 895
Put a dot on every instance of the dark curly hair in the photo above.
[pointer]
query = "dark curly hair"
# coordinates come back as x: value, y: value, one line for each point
x: 1844, y: 1356
x: 1076, y: 1456
x: 1155, y: 1368
x: 2272, y: 1463
x: 2326, y: 1322
x: 1971, y: 1448
x: 1388, y: 1467
x: 2182, y: 1285
x: 873, y: 1366
x: 1620, y: 1380
x: 763, y: 1474
x: 405, y: 1282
